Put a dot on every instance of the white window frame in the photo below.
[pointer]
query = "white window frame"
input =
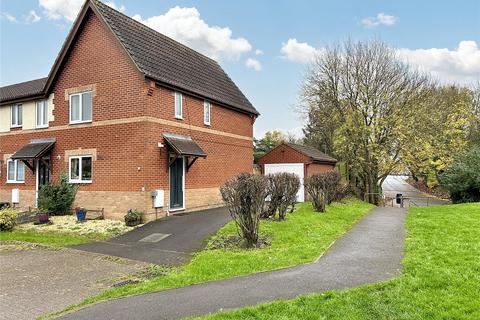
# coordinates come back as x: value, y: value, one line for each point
x: 43, y: 113
x: 15, y: 109
x: 79, y: 180
x: 80, y: 106
x: 15, y: 172
x: 179, y: 115
x: 207, y: 106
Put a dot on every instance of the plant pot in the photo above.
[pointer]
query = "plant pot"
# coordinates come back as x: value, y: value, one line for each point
x: 43, y: 218
x: 81, y: 216
x: 133, y: 223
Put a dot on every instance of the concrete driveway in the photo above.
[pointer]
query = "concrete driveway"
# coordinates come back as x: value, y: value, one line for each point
x: 36, y: 280
x: 168, y: 241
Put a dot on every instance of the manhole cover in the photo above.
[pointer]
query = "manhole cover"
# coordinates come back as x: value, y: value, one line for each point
x: 155, y: 237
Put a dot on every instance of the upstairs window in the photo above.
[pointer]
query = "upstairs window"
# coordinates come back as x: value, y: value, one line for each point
x: 42, y: 114
x: 81, y: 107
x: 81, y: 169
x: 178, y: 105
x: 207, y: 108
x: 16, y: 116
x: 15, y: 171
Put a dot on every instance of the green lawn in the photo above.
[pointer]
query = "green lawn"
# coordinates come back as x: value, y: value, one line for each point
x: 441, y: 277
x: 300, y: 239
x: 56, y: 239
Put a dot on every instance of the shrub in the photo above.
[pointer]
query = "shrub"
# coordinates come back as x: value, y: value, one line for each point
x: 8, y: 219
x: 282, y: 191
x: 322, y: 188
x: 133, y: 217
x: 57, y: 199
x: 244, y: 196
x: 462, y: 179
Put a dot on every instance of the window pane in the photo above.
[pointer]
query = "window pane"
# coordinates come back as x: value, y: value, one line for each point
x: 178, y: 104
x: 11, y: 170
x: 19, y: 114
x: 87, y: 106
x: 39, y: 113
x: 74, y: 169
x: 20, y: 171
x: 87, y: 168
x: 45, y: 113
x: 206, y: 112
x: 75, y: 108
x: 14, y: 115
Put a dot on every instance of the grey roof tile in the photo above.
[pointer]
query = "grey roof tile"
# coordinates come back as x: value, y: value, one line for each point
x: 21, y: 90
x: 311, y: 152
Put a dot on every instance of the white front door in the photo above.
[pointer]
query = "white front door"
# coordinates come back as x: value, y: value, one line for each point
x: 296, y: 168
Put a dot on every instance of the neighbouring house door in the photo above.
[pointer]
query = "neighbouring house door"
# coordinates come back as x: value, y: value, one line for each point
x: 43, y: 173
x: 176, y: 184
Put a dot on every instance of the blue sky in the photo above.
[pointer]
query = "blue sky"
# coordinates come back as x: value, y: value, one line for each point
x: 279, y: 38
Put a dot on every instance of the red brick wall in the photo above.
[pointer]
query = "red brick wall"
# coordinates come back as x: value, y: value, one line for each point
x: 314, y: 168
x: 283, y: 154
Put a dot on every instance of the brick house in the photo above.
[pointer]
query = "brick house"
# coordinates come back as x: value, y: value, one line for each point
x: 295, y: 158
x: 125, y: 111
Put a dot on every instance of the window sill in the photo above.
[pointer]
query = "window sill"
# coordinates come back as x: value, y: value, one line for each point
x: 15, y: 182
x: 16, y: 127
x: 178, y: 118
x: 80, y: 181
x: 207, y: 124
x: 80, y: 122
x: 41, y: 127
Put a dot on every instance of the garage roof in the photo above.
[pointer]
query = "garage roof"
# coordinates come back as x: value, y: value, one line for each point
x: 315, y: 154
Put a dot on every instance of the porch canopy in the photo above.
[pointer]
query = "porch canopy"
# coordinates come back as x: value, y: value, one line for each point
x: 183, y: 146
x: 34, y: 150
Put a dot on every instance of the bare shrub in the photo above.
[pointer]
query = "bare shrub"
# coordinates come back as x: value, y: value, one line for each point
x: 244, y: 196
x: 282, y: 191
x: 322, y: 188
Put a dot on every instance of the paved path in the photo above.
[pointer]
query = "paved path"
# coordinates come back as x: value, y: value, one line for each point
x: 36, y: 280
x: 397, y: 184
x: 370, y: 252
x: 183, y: 234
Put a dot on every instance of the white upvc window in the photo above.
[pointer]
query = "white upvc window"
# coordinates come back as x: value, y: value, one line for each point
x: 80, y: 169
x: 81, y: 107
x: 41, y: 114
x: 15, y: 171
x: 178, y: 105
x: 16, y: 116
x: 207, y: 110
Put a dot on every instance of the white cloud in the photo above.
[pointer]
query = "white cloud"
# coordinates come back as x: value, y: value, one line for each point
x: 461, y: 65
x: 300, y: 52
x: 259, y: 52
x: 32, y: 17
x: 380, y: 19
x: 68, y: 9
x: 253, y: 64
x: 8, y: 16
x: 186, y: 26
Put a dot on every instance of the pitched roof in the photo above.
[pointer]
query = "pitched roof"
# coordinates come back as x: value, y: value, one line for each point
x: 162, y: 59
x: 311, y: 152
x: 22, y: 90
x: 167, y: 61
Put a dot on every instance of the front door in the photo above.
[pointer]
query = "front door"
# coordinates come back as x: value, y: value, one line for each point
x: 43, y: 173
x: 176, y: 184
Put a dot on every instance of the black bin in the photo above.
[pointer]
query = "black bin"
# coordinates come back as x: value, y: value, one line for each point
x: 399, y: 198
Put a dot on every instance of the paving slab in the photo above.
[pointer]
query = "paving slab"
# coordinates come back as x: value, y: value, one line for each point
x: 371, y: 251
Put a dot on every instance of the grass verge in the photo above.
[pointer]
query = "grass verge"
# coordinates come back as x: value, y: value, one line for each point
x: 300, y: 239
x: 56, y: 239
x: 441, y: 277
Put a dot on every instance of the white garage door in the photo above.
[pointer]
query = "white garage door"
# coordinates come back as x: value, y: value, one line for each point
x: 296, y: 168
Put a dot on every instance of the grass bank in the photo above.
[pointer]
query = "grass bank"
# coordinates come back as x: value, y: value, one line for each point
x: 300, y: 239
x: 56, y: 239
x: 441, y: 277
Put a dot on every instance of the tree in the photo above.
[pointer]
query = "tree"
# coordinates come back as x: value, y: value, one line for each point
x: 322, y: 188
x: 363, y: 98
x: 267, y: 143
x: 462, y: 179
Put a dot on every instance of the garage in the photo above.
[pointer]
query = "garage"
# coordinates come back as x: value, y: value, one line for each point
x: 301, y: 160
